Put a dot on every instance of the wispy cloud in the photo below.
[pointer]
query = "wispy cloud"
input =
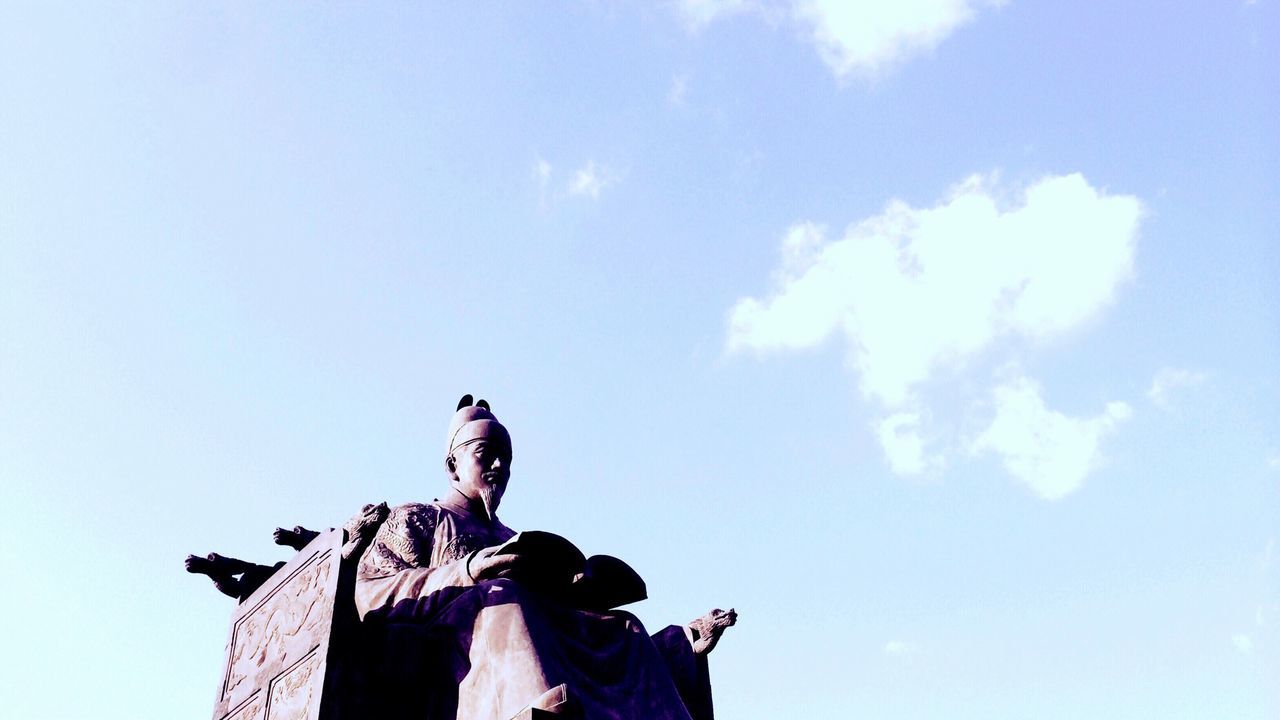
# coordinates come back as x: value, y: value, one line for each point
x: 852, y: 37
x: 1167, y: 382
x: 542, y: 172
x: 591, y: 179
x: 542, y: 175
x: 1242, y: 642
x: 912, y: 291
x: 899, y: 648
x: 679, y: 90
x: 699, y: 13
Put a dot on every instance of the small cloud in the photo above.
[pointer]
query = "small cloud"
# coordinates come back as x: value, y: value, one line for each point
x: 1050, y: 452
x: 869, y: 37
x: 542, y: 172
x: 587, y: 181
x: 1242, y: 642
x: 700, y: 13
x: 899, y: 648
x: 1273, y: 461
x: 679, y: 89
x: 1169, y: 380
x: 1265, y: 614
x: 864, y: 37
x: 590, y: 180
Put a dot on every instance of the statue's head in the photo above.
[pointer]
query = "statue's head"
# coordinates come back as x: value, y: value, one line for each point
x: 477, y: 455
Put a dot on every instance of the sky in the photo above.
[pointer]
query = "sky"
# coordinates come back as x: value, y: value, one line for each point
x: 936, y: 337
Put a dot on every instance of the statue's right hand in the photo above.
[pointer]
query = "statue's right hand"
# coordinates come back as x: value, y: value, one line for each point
x: 486, y: 564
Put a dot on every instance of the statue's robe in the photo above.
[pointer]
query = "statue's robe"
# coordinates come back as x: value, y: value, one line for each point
x: 442, y: 646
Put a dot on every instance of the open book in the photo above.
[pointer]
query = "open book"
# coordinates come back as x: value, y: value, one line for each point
x: 550, y: 563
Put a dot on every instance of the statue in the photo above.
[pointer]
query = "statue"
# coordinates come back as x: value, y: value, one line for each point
x: 453, y: 615
x: 504, y: 623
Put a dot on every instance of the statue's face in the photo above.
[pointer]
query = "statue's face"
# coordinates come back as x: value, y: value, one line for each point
x: 481, y: 468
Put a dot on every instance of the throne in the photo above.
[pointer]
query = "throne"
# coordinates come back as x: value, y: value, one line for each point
x: 289, y: 649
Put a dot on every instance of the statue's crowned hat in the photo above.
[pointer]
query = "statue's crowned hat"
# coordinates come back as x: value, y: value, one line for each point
x: 472, y: 422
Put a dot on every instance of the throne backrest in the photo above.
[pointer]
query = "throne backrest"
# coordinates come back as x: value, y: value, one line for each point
x: 280, y: 660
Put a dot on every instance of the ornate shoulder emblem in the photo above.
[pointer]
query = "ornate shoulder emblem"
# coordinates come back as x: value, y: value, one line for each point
x: 404, y: 541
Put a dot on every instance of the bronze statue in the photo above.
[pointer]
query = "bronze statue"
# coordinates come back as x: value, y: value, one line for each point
x: 462, y: 617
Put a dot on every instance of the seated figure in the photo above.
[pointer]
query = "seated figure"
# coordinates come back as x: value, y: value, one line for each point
x: 459, y: 623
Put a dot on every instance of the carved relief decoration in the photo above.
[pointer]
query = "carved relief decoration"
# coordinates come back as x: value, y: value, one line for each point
x: 293, y: 693
x: 298, y: 608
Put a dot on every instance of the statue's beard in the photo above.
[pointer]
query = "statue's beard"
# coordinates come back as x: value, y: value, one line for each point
x: 490, y: 496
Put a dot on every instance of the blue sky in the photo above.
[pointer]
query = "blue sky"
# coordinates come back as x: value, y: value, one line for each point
x: 938, y: 340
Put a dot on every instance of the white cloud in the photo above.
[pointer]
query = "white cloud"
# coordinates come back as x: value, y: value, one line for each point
x: 853, y: 36
x: 912, y: 291
x: 591, y: 179
x: 1243, y: 642
x: 899, y: 435
x: 1049, y: 451
x: 869, y: 36
x: 899, y: 648
x: 1169, y: 380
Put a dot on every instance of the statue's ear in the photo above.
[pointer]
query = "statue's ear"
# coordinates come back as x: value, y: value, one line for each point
x: 450, y: 464
x: 482, y: 403
x: 464, y: 402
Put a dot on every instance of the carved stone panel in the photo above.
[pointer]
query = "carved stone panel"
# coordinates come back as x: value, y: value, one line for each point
x: 294, y: 694
x: 280, y: 638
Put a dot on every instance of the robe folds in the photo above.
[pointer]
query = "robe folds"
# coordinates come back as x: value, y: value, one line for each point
x: 440, y: 645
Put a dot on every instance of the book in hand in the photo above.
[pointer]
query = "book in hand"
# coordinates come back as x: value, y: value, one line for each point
x: 606, y: 583
x: 544, y: 556
x: 550, y: 563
